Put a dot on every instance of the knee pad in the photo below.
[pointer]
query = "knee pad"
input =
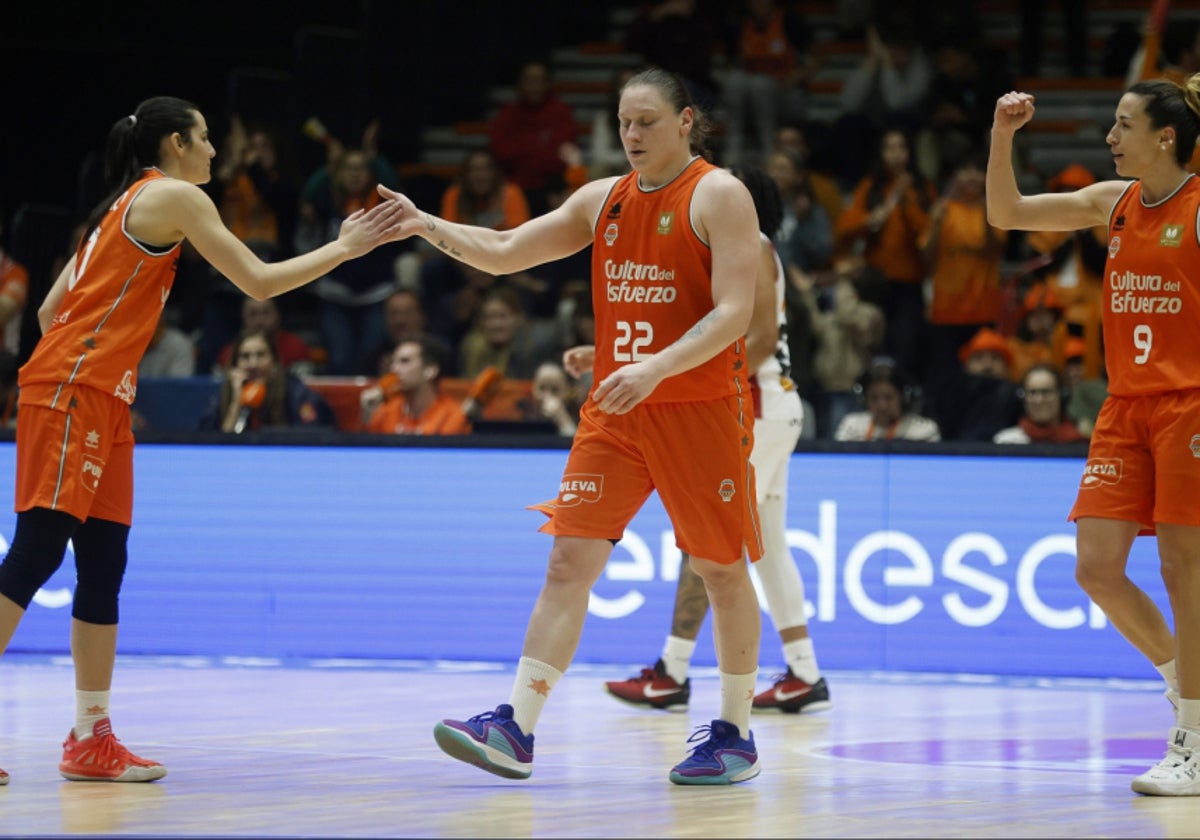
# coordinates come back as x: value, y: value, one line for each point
x: 101, y: 555
x: 36, y: 553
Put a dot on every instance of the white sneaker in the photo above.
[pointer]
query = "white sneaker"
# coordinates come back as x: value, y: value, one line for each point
x: 1178, y: 774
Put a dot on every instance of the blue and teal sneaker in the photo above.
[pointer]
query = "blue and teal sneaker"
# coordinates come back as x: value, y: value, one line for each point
x: 722, y: 758
x: 492, y: 741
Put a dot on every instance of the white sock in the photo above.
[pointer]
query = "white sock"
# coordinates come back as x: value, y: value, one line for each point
x: 737, y: 693
x: 90, y: 706
x: 677, y: 657
x: 1189, y: 715
x: 802, y: 660
x: 1167, y: 669
x: 530, y: 690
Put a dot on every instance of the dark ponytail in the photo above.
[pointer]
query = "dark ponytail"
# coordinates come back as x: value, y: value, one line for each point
x: 134, y: 142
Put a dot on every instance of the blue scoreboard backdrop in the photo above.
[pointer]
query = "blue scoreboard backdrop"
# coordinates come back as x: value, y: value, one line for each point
x: 942, y: 563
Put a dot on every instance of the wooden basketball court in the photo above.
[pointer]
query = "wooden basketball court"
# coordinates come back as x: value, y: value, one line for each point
x: 345, y: 749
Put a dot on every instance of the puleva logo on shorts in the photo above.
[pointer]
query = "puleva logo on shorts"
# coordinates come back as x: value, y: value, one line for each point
x: 90, y: 472
x: 726, y: 490
x: 1098, y: 471
x: 577, y: 488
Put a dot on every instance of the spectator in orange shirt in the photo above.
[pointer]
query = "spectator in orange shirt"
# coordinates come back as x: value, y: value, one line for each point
x: 1075, y: 273
x: 885, y: 219
x: 408, y: 401
x: 1037, y: 338
x: 963, y: 253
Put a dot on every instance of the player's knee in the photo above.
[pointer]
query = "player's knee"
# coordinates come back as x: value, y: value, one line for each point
x: 100, y: 559
x: 36, y: 553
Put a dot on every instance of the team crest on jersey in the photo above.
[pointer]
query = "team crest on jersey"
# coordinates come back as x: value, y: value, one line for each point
x: 1172, y: 236
x: 577, y: 488
x: 665, y: 222
x: 726, y: 490
x: 1098, y: 471
x: 1194, y: 445
x: 1113, y: 246
x: 610, y: 234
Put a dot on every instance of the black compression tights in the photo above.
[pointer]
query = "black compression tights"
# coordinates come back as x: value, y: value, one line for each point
x: 37, y: 551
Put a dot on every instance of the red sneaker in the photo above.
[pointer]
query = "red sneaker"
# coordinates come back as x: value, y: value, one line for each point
x: 652, y: 687
x: 102, y: 758
x: 792, y: 694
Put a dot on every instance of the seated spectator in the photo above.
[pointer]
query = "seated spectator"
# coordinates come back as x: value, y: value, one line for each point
x: 258, y: 392
x: 978, y: 399
x: 890, y: 414
x: 553, y: 398
x: 14, y: 289
x: 351, y: 319
x: 793, y: 138
x: 805, y: 237
x: 482, y: 195
x: 1044, y: 395
x: 1075, y: 272
x: 848, y: 327
x: 1034, y: 343
x: 1087, y: 394
x: 403, y: 316
x: 504, y: 338
x: 290, y: 349
x: 407, y: 400
x: 171, y: 354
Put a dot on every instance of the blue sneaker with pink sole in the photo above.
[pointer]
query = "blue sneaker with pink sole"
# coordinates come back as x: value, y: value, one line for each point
x: 722, y: 757
x: 491, y: 741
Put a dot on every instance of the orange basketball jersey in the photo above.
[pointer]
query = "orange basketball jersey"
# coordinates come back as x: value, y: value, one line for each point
x: 108, y: 314
x: 651, y: 283
x: 1151, y: 321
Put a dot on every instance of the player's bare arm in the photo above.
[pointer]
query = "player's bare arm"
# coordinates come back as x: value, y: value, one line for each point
x: 563, y: 231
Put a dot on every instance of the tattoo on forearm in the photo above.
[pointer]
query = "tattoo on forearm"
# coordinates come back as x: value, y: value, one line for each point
x: 429, y: 223
x: 449, y: 249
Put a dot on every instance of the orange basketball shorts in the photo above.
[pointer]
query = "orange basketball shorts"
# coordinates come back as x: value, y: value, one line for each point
x: 76, y: 457
x: 1143, y: 462
x: 695, y: 454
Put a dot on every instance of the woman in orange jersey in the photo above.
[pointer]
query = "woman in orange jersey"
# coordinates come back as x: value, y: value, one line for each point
x: 675, y: 249
x: 1143, y: 470
x: 74, y: 445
